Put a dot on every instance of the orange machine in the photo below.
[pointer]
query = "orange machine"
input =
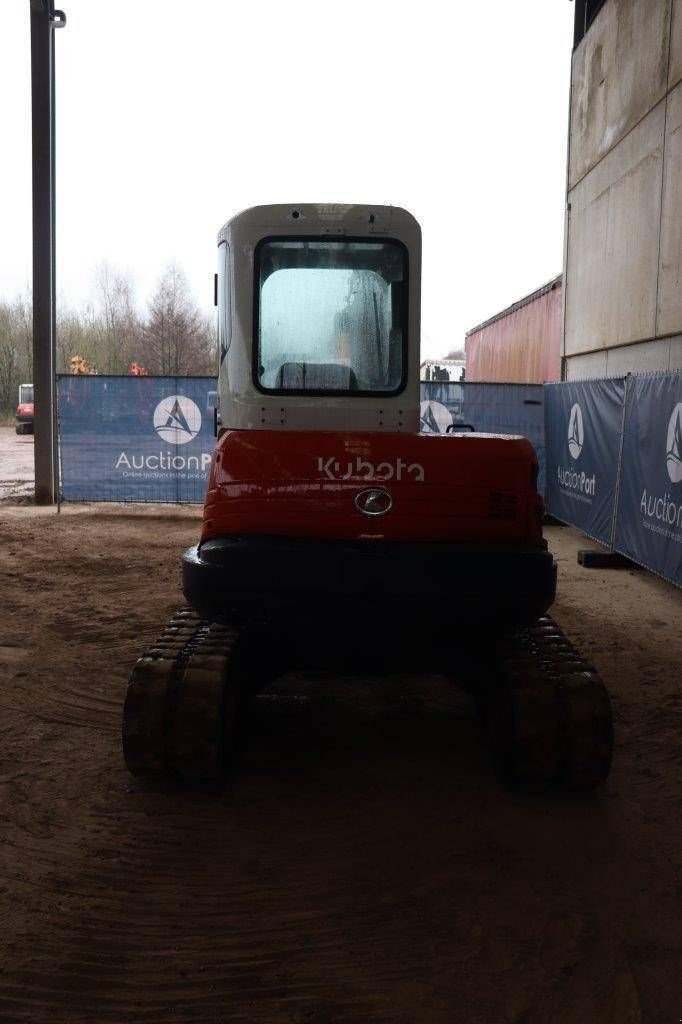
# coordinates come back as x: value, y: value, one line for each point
x: 372, y: 523
x: 335, y: 533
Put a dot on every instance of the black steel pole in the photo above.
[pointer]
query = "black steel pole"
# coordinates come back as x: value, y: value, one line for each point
x: 43, y: 21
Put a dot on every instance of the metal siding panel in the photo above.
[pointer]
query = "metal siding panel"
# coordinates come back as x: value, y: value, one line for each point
x: 620, y: 71
x: 675, y: 72
x: 657, y: 355
x: 523, y: 347
x: 613, y: 244
x: 586, y: 367
x: 648, y: 357
x: 670, y: 276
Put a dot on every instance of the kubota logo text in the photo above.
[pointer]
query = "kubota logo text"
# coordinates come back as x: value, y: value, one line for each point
x: 360, y: 469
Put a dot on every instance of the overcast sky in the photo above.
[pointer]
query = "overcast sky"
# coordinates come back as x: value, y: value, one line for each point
x: 173, y: 116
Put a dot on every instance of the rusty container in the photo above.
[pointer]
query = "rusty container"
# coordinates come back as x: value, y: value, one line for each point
x: 522, y: 344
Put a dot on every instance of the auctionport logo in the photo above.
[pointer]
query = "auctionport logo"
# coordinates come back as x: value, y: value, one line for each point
x: 576, y: 432
x: 434, y: 418
x: 666, y: 508
x: 673, y: 448
x: 177, y: 419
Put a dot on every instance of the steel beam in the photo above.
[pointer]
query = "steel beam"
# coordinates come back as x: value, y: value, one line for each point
x: 44, y: 19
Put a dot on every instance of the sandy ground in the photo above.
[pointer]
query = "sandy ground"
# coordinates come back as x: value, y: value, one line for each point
x: 16, y: 463
x: 364, y: 865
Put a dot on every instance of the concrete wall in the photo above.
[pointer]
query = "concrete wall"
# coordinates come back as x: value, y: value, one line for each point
x: 643, y: 357
x: 623, y: 300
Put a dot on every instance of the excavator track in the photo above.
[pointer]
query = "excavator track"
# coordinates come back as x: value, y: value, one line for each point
x: 549, y: 712
x: 181, y: 702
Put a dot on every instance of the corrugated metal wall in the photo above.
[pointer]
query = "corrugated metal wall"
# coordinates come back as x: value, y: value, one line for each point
x: 522, y: 345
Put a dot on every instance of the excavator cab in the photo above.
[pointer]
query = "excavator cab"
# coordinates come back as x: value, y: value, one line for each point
x: 335, y: 533
x: 318, y: 319
x: 323, y: 499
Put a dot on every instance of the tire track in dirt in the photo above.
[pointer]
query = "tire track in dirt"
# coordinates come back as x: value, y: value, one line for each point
x: 363, y: 866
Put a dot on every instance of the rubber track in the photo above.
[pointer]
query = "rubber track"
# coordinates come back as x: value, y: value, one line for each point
x: 553, y: 713
x: 179, y: 709
x: 549, y: 711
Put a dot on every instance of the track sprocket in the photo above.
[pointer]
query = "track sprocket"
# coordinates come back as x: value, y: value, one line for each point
x: 181, y: 701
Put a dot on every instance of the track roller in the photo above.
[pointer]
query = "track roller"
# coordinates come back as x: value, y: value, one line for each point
x: 549, y: 712
x: 180, y: 706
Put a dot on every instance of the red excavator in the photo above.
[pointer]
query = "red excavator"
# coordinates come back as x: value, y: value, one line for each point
x: 335, y: 534
x: 25, y: 410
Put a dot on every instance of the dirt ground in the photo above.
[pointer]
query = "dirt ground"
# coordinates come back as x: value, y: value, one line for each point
x: 16, y: 463
x: 364, y: 865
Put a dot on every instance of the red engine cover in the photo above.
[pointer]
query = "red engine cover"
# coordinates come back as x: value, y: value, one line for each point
x: 458, y: 487
x: 25, y: 409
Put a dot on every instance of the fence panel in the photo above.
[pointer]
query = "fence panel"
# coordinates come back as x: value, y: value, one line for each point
x: 492, y: 408
x: 135, y: 438
x: 583, y: 423
x: 150, y: 439
x: 649, y: 516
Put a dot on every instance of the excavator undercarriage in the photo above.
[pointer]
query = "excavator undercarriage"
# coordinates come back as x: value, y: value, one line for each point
x: 545, y: 711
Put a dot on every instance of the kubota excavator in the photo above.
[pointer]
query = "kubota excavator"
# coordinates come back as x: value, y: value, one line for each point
x: 335, y: 534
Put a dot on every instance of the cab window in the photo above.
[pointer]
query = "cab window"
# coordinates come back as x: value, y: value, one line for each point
x: 331, y: 316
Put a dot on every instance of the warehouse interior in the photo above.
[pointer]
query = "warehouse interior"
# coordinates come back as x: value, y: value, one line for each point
x: 342, y: 681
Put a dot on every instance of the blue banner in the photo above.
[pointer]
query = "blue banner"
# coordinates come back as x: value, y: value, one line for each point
x: 583, y: 423
x: 491, y: 408
x: 135, y: 438
x: 649, y: 518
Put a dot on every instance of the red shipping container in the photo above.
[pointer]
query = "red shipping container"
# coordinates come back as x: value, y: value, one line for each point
x: 522, y: 344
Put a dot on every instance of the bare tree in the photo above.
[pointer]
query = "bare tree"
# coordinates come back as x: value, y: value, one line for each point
x: 110, y: 334
x: 179, y: 338
x: 116, y: 325
x: 8, y: 359
x: 76, y: 333
x: 16, y: 349
x: 23, y: 312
